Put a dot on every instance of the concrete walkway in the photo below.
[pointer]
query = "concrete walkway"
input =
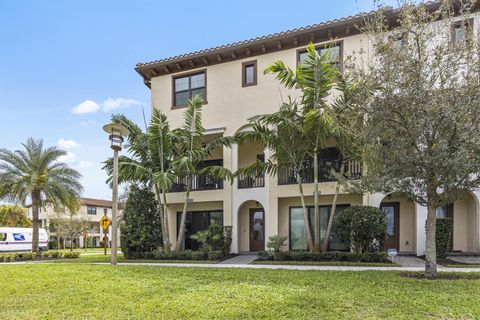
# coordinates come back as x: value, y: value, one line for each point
x: 287, y: 267
x: 241, y: 259
x: 409, y: 261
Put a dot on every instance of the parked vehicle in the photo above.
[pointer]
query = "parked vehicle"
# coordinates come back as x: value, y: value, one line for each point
x: 20, y: 239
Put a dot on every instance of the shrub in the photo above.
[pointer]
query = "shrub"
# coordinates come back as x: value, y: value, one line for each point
x: 443, y: 237
x: 227, y: 240
x: 71, y: 255
x: 56, y: 254
x: 276, y: 242
x: 211, y: 238
x: 215, y: 255
x: 140, y: 228
x: 363, y: 228
x: 328, y: 256
x: 198, y: 255
x: 263, y: 255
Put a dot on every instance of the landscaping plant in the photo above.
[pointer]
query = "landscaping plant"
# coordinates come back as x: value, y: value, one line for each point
x: 363, y: 228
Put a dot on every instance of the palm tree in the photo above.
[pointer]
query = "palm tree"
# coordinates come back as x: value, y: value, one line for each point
x: 191, y: 151
x: 36, y: 173
x: 149, y: 162
x: 315, y: 77
x: 282, y: 132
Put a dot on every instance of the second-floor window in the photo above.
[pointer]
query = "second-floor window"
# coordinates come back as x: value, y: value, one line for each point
x: 185, y: 87
x: 335, y: 50
x: 461, y: 30
x: 92, y: 210
x: 249, y: 73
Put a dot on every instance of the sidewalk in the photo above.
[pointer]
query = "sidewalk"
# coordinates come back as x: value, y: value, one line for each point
x: 288, y: 267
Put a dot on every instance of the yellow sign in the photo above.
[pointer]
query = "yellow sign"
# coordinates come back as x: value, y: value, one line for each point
x: 105, y: 222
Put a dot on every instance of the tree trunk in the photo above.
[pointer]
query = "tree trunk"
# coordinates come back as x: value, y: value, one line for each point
x: 181, y: 229
x: 161, y: 214
x: 305, y: 213
x: 430, y: 245
x: 165, y: 217
x: 35, y: 210
x: 326, y: 241
x: 315, y: 202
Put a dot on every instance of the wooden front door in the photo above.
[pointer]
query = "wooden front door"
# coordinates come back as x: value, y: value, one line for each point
x: 392, y: 216
x: 257, y: 230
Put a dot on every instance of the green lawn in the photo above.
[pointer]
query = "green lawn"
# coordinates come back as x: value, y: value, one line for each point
x: 98, y: 291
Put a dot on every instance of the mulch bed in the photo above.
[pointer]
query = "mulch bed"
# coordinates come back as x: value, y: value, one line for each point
x: 442, y: 276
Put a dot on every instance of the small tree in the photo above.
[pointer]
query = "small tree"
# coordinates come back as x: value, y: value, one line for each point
x: 14, y: 216
x: 140, y: 227
x: 75, y: 226
x: 275, y: 243
x: 363, y: 228
x: 420, y: 130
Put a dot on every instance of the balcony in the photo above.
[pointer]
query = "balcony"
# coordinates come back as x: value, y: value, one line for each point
x: 197, y: 183
x: 247, y: 182
x: 352, y: 169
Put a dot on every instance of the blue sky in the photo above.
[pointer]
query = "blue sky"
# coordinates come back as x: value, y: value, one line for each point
x: 56, y: 55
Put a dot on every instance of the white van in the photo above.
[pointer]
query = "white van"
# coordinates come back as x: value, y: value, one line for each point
x: 20, y: 239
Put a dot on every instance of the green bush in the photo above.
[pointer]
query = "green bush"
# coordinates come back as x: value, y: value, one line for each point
x: 198, y: 255
x: 443, y: 237
x: 363, y: 228
x: 227, y: 240
x: 275, y: 243
x: 329, y: 256
x: 140, y: 228
x: 71, y: 255
x: 263, y: 255
x: 215, y: 255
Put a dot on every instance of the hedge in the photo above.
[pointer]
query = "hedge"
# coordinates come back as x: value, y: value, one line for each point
x: 329, y: 256
x: 25, y: 256
x: 443, y: 237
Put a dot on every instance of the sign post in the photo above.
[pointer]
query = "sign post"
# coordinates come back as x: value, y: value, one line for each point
x: 104, y: 223
x: 392, y: 253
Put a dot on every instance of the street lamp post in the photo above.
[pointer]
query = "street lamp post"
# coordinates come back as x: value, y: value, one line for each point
x: 116, y: 133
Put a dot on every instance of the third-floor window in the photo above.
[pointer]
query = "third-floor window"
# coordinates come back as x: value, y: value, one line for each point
x: 461, y: 30
x: 188, y: 86
x: 249, y: 73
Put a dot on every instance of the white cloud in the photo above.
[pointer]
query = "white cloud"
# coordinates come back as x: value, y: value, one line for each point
x: 88, y: 123
x: 85, y: 164
x: 68, y: 144
x: 69, y: 157
x: 111, y: 103
x: 87, y: 106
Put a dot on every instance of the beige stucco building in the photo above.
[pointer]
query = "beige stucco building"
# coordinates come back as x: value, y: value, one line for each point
x: 90, y: 212
x: 231, y: 79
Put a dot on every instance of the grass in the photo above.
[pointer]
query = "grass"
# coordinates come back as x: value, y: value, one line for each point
x: 327, y: 263
x: 121, y: 258
x: 76, y: 291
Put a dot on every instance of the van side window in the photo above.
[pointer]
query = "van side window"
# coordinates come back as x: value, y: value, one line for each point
x: 3, y: 236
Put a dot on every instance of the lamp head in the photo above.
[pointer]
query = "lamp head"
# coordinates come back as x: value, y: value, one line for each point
x: 116, y: 134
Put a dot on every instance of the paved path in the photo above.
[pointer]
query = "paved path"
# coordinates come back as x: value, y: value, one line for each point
x: 241, y: 259
x: 287, y: 267
x: 409, y: 261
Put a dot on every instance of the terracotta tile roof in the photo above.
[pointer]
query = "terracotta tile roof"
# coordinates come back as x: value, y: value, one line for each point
x: 96, y: 202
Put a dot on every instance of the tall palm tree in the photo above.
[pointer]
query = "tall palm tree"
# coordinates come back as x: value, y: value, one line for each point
x: 191, y: 151
x: 36, y: 173
x: 282, y: 132
x: 148, y: 162
x: 316, y: 77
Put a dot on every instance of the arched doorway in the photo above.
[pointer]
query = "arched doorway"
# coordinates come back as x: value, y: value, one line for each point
x: 251, y: 227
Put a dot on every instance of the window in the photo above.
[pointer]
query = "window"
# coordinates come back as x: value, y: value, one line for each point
x: 398, y: 41
x: 249, y: 73
x: 445, y: 211
x: 92, y: 210
x: 461, y: 30
x: 335, y: 50
x: 186, y: 87
x: 197, y: 221
x: 298, y: 232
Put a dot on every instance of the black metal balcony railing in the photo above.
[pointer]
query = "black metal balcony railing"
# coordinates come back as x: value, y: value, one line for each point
x: 197, y: 183
x: 246, y: 182
x: 352, y: 170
